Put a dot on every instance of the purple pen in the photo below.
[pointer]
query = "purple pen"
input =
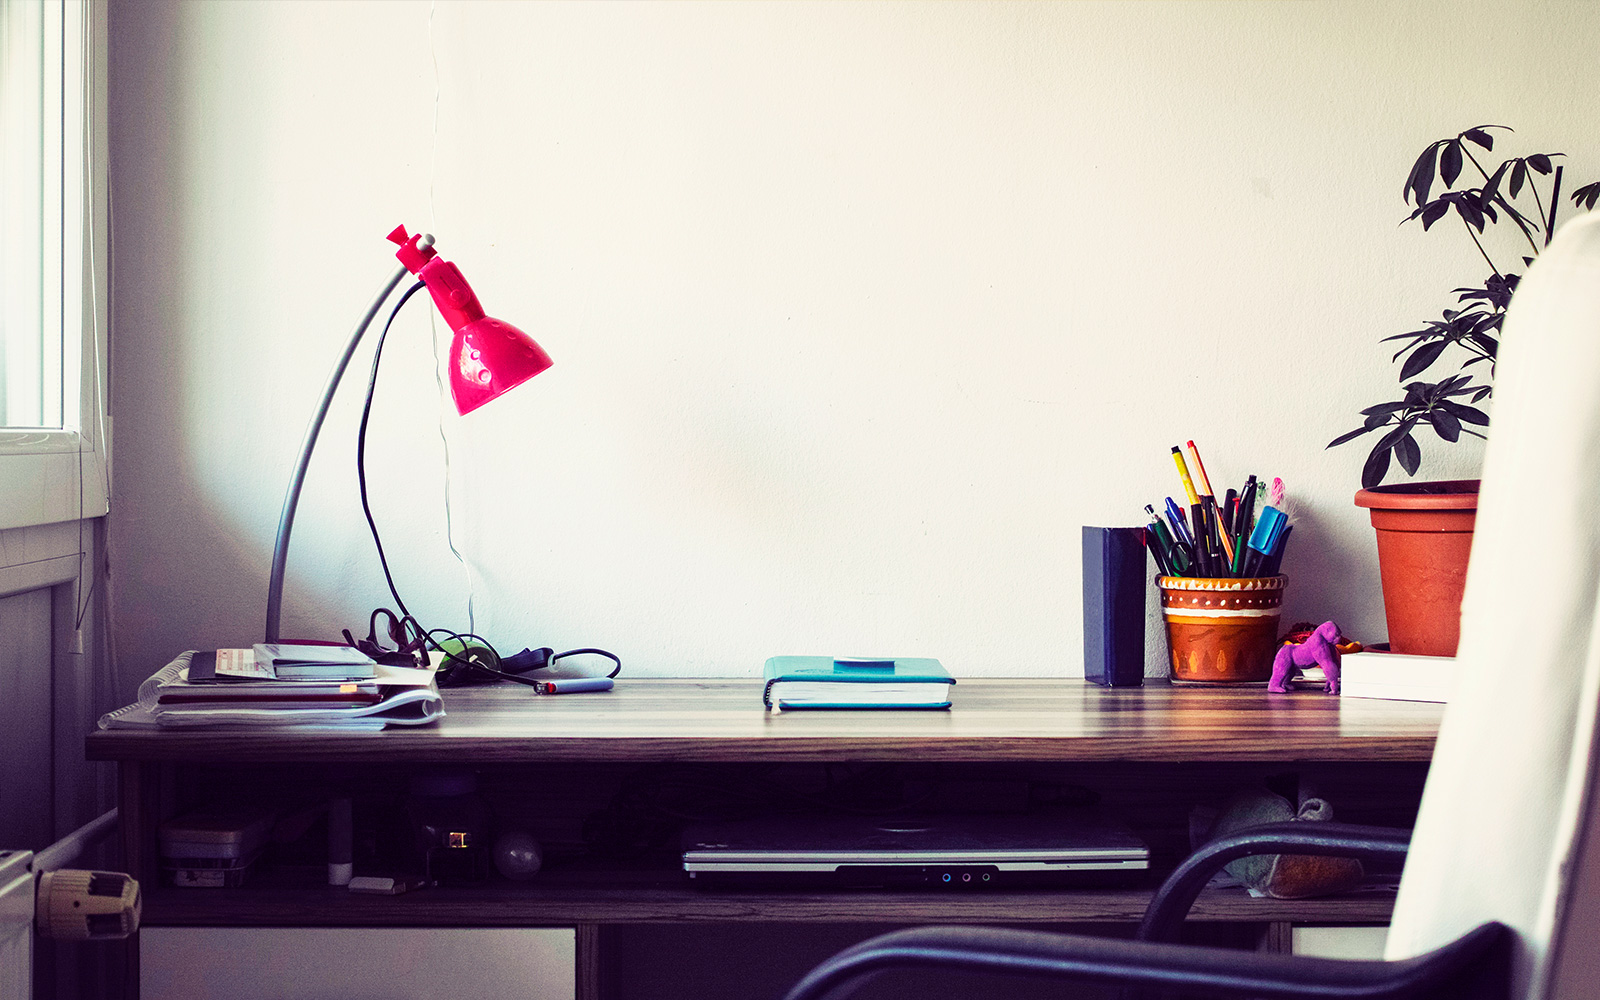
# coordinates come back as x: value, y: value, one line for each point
x: 573, y: 685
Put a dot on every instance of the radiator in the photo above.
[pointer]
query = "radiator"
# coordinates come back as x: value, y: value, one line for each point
x: 38, y: 896
x: 16, y: 925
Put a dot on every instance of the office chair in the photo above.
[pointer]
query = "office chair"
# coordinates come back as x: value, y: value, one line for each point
x: 1500, y: 895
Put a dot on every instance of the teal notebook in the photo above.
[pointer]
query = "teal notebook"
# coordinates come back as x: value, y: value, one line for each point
x: 851, y: 682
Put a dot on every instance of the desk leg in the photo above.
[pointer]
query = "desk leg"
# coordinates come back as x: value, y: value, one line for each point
x: 138, y: 813
x: 1277, y: 938
x: 130, y: 828
x: 588, y: 962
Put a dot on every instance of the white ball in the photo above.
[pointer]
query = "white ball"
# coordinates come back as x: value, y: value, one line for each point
x: 517, y: 855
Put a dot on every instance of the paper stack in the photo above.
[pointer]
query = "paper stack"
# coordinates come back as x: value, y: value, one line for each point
x: 188, y: 692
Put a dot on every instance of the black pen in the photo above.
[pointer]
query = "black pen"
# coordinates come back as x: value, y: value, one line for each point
x: 1152, y: 543
x: 1202, y: 539
x: 1247, y: 503
x: 1163, y: 538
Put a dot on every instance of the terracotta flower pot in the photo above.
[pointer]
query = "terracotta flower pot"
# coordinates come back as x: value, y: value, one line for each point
x: 1221, y: 631
x: 1424, y: 539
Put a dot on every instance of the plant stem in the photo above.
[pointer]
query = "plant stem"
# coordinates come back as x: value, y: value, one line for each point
x: 1555, y: 203
x: 1481, y: 250
x: 1509, y: 210
x: 1540, y: 203
x: 1474, y: 160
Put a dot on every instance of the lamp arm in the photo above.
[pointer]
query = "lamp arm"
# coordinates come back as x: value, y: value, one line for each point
x: 280, y: 548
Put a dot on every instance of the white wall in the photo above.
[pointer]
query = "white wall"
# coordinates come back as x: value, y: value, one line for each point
x: 859, y: 311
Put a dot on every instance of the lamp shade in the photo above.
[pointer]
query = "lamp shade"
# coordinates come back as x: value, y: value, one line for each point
x: 487, y: 356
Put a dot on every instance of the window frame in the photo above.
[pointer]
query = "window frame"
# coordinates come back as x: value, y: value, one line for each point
x: 50, y: 475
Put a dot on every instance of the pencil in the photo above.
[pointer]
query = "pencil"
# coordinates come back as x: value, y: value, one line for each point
x: 1200, y: 470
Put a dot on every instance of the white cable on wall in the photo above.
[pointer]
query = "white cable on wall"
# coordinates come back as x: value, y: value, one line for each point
x: 433, y: 336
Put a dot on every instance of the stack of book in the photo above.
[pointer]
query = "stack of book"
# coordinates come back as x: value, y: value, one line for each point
x: 325, y: 686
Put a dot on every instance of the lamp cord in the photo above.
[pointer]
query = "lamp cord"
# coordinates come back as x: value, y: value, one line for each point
x: 361, y: 444
x: 481, y: 660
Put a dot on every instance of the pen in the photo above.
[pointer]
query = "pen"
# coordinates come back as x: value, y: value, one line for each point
x: 1247, y: 504
x: 1200, y: 469
x: 1163, y: 536
x: 1183, y: 474
x: 573, y: 685
x: 1153, y: 543
x: 1182, y: 559
x: 1229, y: 506
x: 1224, y: 546
x: 1203, y: 540
x: 1180, y: 528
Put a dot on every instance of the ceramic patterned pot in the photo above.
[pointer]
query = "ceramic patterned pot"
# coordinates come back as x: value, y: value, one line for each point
x: 1221, y: 631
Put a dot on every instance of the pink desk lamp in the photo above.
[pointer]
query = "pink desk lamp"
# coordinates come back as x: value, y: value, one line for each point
x: 488, y: 357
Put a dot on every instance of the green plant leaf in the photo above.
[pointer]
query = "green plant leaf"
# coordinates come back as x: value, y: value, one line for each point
x: 1409, y: 454
x: 1401, y: 430
x: 1479, y: 136
x: 1492, y: 186
x: 1541, y: 162
x: 1376, y: 467
x: 1433, y: 213
x: 1467, y: 414
x: 1420, y: 180
x: 1445, y: 424
x: 1349, y: 436
x: 1519, y: 174
x: 1422, y: 357
x: 1450, y: 162
x: 1384, y: 408
x: 1587, y: 195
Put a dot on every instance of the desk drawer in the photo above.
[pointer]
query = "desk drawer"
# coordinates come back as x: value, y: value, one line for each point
x: 280, y: 963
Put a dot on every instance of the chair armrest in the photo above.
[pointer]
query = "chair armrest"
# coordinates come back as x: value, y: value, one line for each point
x: 1171, y: 902
x: 1475, y: 957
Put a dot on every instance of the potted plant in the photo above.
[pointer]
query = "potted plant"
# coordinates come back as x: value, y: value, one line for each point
x: 1425, y: 529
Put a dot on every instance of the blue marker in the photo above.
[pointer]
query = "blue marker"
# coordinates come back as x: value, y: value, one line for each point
x: 573, y: 685
x: 1264, y: 540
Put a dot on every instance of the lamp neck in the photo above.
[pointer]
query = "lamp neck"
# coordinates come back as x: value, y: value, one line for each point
x: 291, y: 500
x: 456, y: 301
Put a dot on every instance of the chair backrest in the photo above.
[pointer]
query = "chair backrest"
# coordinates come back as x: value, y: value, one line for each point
x: 1507, y: 823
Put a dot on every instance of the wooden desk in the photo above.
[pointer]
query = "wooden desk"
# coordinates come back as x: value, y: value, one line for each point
x: 1151, y: 753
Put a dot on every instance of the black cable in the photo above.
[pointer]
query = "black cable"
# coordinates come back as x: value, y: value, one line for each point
x: 361, y: 444
x: 481, y: 659
x: 616, y: 661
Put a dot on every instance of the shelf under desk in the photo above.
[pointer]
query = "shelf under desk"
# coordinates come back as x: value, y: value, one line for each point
x: 1151, y: 753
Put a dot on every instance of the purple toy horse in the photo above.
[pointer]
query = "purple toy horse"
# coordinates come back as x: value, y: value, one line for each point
x: 1320, y: 649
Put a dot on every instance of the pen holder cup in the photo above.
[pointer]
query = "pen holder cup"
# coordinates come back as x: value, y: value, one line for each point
x: 1221, y: 631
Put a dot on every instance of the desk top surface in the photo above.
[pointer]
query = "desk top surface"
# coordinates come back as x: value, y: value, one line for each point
x: 723, y: 720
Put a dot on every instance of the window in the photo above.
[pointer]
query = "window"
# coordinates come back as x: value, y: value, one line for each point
x: 30, y: 348
x: 52, y: 261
